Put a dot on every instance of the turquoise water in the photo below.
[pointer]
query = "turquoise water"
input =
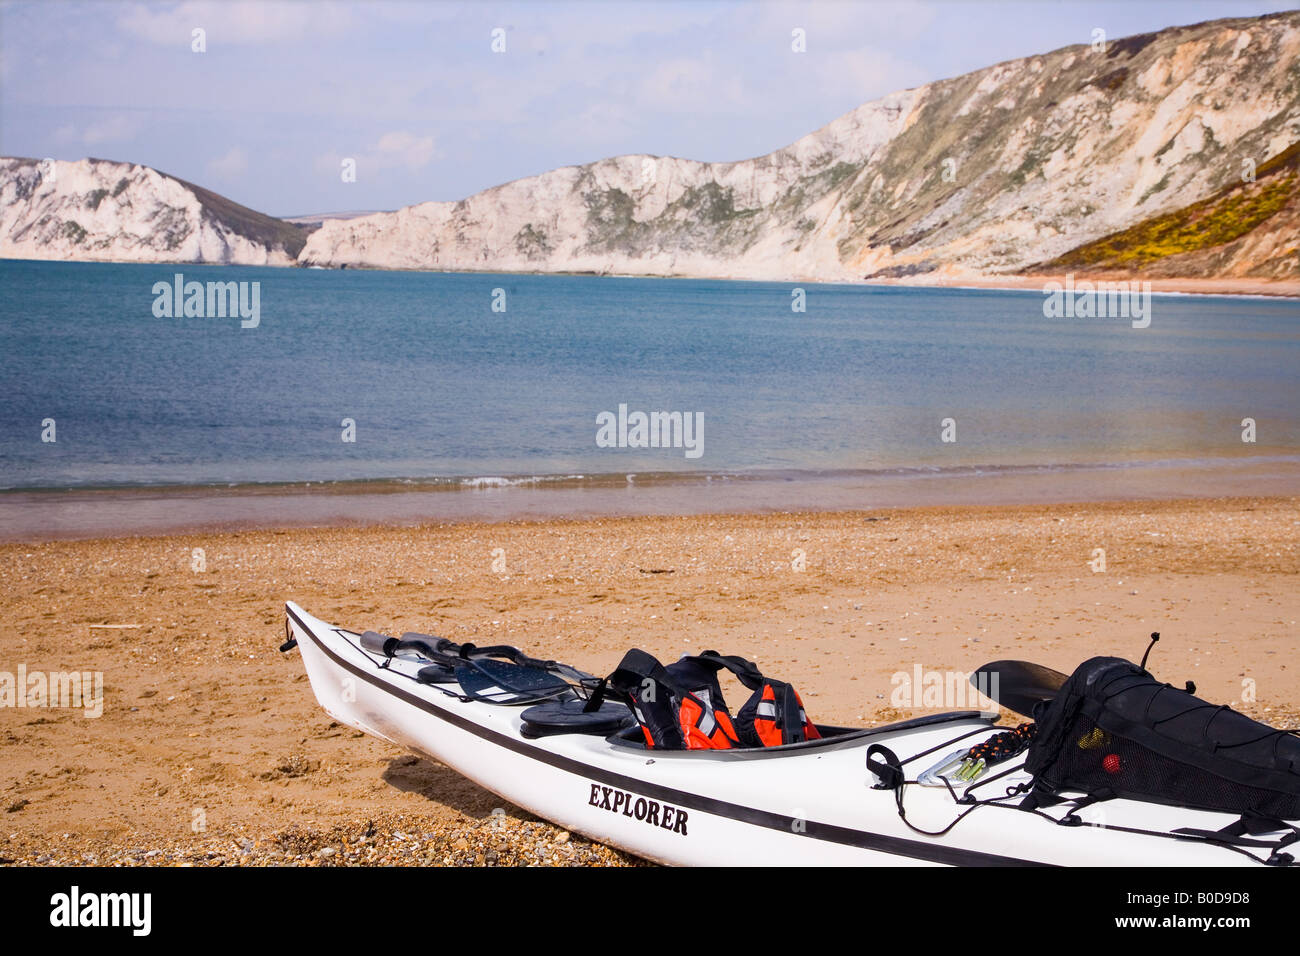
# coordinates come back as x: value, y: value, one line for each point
x: 442, y: 387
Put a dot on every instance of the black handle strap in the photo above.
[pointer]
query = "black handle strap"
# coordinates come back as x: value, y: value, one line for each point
x: 888, y: 770
x: 290, y: 642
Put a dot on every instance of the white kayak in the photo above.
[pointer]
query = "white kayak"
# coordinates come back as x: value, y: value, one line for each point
x: 810, y: 803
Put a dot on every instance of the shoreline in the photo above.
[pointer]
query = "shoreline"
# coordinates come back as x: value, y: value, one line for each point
x: 79, y: 514
x: 1202, y: 286
x: 200, y: 710
x: 1231, y: 286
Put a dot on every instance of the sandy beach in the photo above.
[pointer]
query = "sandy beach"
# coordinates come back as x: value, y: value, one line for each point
x: 211, y: 749
x: 1186, y: 285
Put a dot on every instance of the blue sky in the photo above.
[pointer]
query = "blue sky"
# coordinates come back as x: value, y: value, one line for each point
x: 414, y: 92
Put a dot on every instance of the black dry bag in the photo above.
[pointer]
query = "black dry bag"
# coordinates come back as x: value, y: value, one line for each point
x: 1113, y: 730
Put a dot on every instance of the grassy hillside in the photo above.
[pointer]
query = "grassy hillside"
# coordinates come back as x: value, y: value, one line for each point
x: 255, y: 225
x: 1231, y: 215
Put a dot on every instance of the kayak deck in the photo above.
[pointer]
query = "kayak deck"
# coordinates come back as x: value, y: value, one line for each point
x: 806, y: 803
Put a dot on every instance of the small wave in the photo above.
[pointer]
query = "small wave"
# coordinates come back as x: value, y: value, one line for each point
x: 497, y: 481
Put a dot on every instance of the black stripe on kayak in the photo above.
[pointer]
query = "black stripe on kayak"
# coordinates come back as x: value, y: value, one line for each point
x: 897, y: 846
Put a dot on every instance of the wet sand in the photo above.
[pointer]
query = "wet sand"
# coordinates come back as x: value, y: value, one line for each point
x: 91, y: 513
x: 204, y: 722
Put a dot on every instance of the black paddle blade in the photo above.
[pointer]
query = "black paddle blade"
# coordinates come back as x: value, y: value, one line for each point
x: 1018, y: 685
x: 501, y: 682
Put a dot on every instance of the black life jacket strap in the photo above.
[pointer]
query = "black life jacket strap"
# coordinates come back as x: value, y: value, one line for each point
x: 786, y: 711
x: 787, y: 703
x: 746, y: 671
x: 636, y: 670
x: 650, y: 689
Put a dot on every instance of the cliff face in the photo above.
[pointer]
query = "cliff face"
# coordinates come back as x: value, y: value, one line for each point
x: 1248, y: 229
x: 96, y: 210
x: 640, y: 214
x: 984, y: 174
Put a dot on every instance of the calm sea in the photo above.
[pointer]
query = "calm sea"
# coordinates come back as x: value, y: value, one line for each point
x: 441, y: 387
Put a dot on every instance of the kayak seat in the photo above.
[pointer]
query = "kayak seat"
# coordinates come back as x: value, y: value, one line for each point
x: 632, y: 738
x: 631, y: 735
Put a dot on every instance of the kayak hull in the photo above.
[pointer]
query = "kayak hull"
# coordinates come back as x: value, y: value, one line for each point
x: 809, y: 804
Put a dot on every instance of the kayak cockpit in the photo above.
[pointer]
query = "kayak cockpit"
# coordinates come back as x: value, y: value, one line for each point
x: 631, y: 738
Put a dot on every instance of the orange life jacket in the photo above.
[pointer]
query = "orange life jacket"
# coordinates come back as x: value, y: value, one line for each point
x: 778, y: 709
x: 680, y: 707
x: 706, y: 727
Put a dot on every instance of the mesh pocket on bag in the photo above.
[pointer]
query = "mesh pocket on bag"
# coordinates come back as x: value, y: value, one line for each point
x: 1093, y: 760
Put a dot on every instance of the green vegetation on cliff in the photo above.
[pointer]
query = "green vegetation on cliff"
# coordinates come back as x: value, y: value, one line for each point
x: 1226, y: 216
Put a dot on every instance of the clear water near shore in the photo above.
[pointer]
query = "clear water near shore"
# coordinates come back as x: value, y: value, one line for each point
x: 445, y: 390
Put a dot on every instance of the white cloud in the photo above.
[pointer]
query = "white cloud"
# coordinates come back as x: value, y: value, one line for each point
x: 604, y: 117
x: 114, y: 128
x: 233, y: 163
x: 689, y: 83
x: 398, y: 149
x: 861, y: 74
x: 233, y: 21
x: 831, y: 26
x: 407, y: 14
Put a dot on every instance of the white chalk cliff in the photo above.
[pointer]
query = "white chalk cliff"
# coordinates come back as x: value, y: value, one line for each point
x: 98, y: 210
x: 982, y: 174
x: 978, y: 175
